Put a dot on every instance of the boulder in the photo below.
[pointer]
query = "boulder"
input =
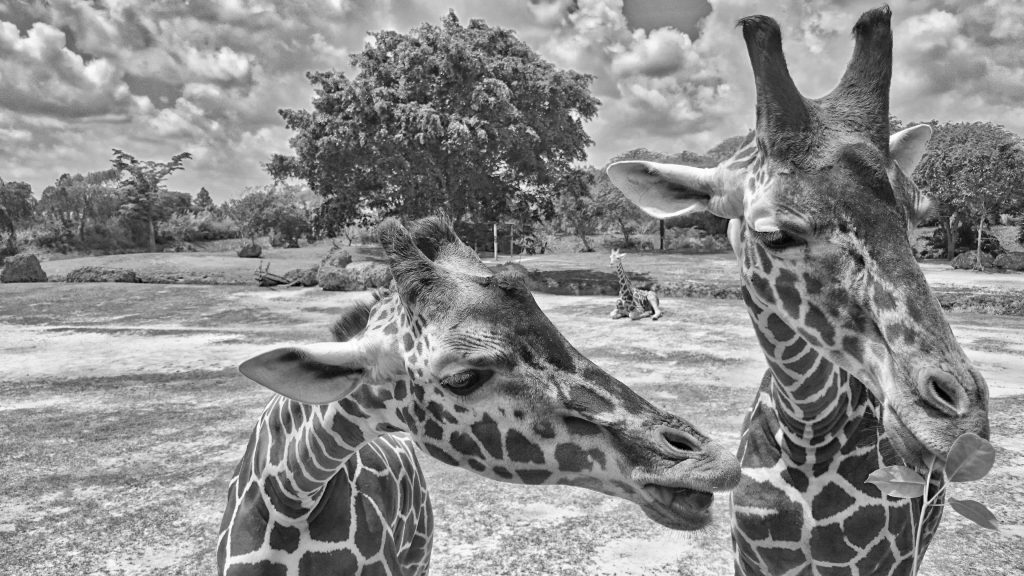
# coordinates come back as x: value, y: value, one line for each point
x: 1010, y: 261
x: 968, y: 260
x: 337, y: 257
x: 355, y: 276
x: 250, y: 251
x: 512, y: 266
x: 101, y: 274
x: 305, y: 276
x: 22, y: 268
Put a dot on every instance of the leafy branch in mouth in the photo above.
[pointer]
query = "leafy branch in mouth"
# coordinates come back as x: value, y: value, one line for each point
x: 969, y: 459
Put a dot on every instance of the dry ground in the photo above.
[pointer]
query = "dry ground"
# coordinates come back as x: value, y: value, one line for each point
x: 121, y: 419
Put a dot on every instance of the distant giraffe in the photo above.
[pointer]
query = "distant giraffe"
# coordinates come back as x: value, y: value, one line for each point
x: 863, y: 369
x: 466, y: 363
x: 633, y: 302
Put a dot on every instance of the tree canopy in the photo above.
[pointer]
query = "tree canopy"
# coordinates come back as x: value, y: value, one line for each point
x: 467, y: 119
x: 972, y: 170
x: 142, y: 184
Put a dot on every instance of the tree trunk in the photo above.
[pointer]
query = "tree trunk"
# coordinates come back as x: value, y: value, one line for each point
x: 661, y: 234
x: 981, y: 223
x: 152, y: 233
x: 81, y: 230
x: 582, y: 233
x: 950, y: 241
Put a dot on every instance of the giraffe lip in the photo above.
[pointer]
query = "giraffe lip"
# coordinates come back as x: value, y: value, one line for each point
x: 678, y: 507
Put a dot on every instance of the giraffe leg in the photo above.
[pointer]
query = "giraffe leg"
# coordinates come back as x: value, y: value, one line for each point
x: 656, y: 305
x: 635, y: 314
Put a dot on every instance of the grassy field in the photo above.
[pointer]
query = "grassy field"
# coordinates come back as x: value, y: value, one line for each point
x: 122, y: 417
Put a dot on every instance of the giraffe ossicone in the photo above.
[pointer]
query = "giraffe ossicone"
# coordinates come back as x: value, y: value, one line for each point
x: 820, y: 203
x: 464, y: 362
x: 634, y: 303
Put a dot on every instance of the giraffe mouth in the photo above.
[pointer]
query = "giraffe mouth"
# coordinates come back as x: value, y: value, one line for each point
x: 678, y: 508
x: 914, y: 452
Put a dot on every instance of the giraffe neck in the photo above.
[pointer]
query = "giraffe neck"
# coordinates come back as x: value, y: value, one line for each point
x: 625, y: 286
x: 820, y: 407
x: 307, y: 445
x: 807, y: 448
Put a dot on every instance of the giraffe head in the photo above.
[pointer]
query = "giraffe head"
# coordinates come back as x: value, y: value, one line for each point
x: 615, y: 257
x: 465, y: 361
x: 820, y: 206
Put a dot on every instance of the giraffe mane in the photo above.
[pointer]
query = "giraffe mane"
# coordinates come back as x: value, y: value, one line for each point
x: 353, y: 318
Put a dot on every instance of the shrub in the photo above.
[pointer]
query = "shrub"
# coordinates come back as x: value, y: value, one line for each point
x: 694, y: 239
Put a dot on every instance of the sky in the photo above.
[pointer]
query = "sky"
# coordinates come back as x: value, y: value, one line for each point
x: 158, y: 77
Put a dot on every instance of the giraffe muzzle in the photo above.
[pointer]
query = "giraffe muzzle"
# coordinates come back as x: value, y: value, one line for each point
x: 678, y: 508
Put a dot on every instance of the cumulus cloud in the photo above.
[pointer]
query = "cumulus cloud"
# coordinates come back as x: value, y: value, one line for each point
x: 208, y: 76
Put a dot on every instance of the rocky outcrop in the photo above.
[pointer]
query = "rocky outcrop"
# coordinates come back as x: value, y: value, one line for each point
x: 337, y: 257
x: 969, y: 260
x: 304, y: 276
x: 22, y: 268
x: 101, y: 274
x: 250, y: 251
x: 1010, y: 261
x: 355, y: 276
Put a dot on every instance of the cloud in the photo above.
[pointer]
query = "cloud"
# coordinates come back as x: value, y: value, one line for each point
x: 41, y: 76
x: 208, y: 76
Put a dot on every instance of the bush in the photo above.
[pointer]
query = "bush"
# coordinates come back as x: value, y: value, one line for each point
x: 966, y: 240
x: 694, y: 239
x: 705, y: 221
x: 52, y: 236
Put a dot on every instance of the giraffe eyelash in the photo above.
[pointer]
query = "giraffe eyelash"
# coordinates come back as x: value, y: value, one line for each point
x: 776, y: 239
x: 466, y: 382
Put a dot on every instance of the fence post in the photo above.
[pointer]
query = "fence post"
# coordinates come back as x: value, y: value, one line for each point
x: 495, y: 241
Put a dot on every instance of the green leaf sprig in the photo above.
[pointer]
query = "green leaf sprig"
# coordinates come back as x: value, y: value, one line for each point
x: 969, y: 459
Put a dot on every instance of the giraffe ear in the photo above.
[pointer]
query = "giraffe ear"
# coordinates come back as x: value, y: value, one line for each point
x: 907, y: 146
x: 906, y: 149
x: 314, y: 373
x: 666, y: 190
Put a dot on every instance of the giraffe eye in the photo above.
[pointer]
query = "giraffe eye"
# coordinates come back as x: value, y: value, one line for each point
x: 776, y: 239
x: 464, y: 383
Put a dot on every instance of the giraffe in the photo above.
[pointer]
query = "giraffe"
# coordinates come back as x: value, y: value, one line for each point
x: 464, y: 363
x: 863, y: 369
x: 633, y: 302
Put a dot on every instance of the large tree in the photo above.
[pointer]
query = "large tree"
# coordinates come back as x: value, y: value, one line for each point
x: 468, y: 119
x: 972, y: 170
x: 142, y: 184
x: 277, y: 208
x: 75, y: 200
x: 17, y: 205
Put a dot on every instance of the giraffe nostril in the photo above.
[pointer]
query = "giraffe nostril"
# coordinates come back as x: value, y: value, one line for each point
x: 940, y: 389
x: 680, y: 441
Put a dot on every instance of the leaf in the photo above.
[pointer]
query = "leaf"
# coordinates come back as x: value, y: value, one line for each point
x: 975, y: 512
x: 898, y: 482
x: 969, y: 459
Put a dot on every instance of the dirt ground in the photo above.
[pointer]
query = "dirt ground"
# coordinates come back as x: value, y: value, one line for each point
x: 122, y: 417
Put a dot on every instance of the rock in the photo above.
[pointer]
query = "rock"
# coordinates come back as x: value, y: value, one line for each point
x: 355, y: 276
x: 306, y: 276
x: 373, y: 274
x: 101, y: 274
x: 1010, y: 261
x: 337, y: 257
x: 332, y: 275
x: 967, y: 260
x: 511, y: 266
x: 250, y: 251
x: 22, y: 268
